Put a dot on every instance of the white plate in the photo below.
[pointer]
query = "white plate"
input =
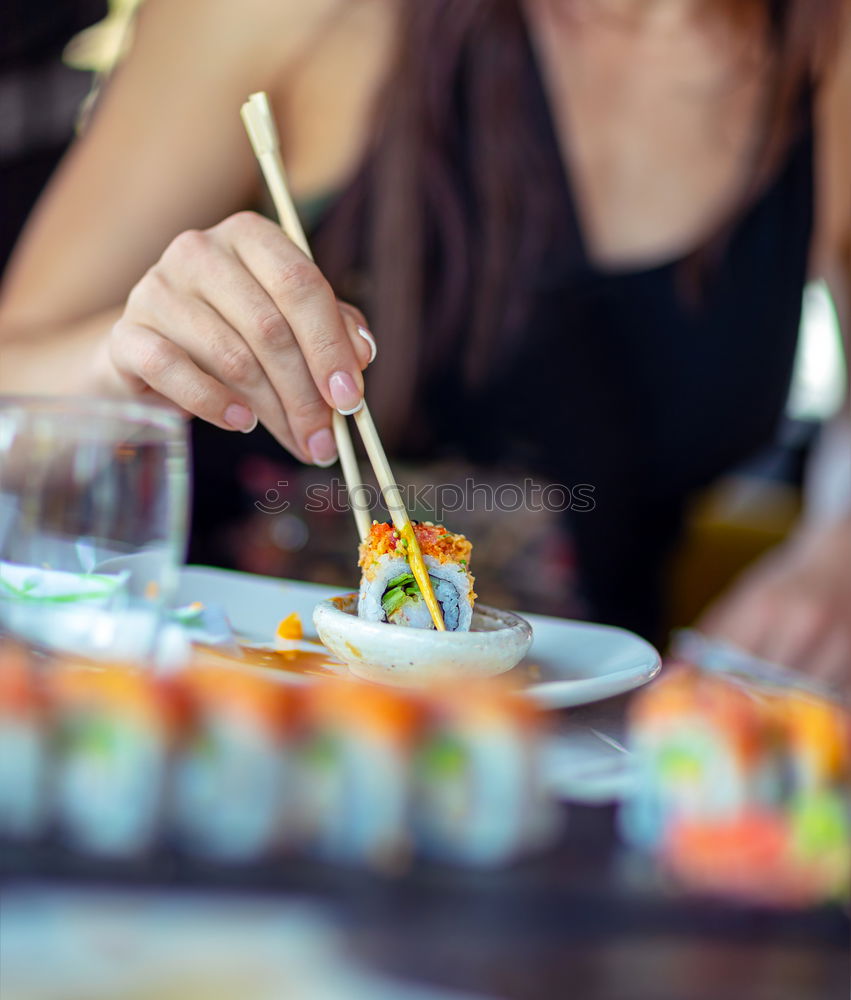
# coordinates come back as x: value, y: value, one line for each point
x: 573, y: 663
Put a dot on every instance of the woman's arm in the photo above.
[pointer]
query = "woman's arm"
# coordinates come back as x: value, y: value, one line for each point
x: 794, y: 605
x: 165, y: 152
x: 126, y: 280
x: 111, y: 207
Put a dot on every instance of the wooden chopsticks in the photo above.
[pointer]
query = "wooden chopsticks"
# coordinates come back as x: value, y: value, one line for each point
x: 260, y: 125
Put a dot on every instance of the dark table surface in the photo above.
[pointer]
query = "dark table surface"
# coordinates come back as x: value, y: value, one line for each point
x: 587, y: 920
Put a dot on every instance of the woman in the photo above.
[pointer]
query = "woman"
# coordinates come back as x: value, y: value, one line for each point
x: 580, y: 228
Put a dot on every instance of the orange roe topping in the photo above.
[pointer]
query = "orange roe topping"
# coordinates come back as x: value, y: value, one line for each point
x: 215, y: 689
x: 19, y: 694
x: 468, y: 703
x: 370, y: 708
x: 114, y: 689
x: 434, y: 540
x: 685, y: 693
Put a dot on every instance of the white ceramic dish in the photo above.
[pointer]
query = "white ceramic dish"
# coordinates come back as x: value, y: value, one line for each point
x: 375, y: 651
x: 569, y: 663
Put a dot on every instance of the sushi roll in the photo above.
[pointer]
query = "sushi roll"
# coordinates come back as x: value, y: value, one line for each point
x: 356, y: 773
x: 478, y: 791
x: 234, y: 783
x: 742, y: 787
x: 389, y: 592
x: 24, y: 747
x: 114, y: 731
x: 697, y: 742
x: 817, y: 737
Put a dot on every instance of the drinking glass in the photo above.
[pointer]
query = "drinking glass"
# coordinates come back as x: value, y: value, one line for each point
x: 93, y: 516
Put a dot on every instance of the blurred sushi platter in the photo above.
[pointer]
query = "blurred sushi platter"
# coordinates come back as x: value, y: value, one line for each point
x: 732, y: 786
x: 115, y: 761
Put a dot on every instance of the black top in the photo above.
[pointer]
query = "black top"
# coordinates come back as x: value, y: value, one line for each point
x: 624, y: 383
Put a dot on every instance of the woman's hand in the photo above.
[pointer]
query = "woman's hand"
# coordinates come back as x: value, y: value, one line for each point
x: 235, y: 324
x: 793, y: 606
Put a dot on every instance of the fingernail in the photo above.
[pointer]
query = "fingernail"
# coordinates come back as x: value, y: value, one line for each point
x: 323, y: 450
x: 240, y: 418
x: 346, y: 397
x: 368, y: 337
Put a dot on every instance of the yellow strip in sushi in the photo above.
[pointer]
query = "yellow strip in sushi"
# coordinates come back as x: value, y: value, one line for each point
x: 418, y: 568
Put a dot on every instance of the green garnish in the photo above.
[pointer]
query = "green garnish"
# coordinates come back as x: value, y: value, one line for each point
x: 90, y: 734
x: 400, y: 589
x: 322, y: 751
x: 393, y: 600
x: 444, y: 757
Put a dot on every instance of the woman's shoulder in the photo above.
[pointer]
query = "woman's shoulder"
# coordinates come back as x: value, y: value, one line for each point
x: 263, y: 33
x: 322, y: 63
x: 326, y: 94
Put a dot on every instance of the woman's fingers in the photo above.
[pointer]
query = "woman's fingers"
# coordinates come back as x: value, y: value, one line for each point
x: 148, y: 359
x: 800, y: 625
x: 363, y: 342
x: 220, y: 351
x: 246, y: 319
x: 782, y: 616
x: 168, y: 301
x: 739, y: 620
x: 259, y: 356
x: 302, y: 295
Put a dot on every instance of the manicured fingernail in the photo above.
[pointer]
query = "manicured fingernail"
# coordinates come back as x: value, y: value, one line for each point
x: 323, y: 450
x: 368, y: 337
x: 346, y: 397
x: 240, y: 418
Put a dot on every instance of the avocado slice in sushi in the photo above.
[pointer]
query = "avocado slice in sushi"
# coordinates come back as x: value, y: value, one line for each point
x: 400, y: 590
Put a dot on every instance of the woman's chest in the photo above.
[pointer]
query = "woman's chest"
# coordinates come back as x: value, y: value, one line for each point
x: 657, y: 139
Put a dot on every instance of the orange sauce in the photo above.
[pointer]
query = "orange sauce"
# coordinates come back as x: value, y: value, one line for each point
x: 295, y: 661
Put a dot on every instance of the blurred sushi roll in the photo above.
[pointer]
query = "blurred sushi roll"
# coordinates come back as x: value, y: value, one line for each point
x: 389, y: 592
x: 742, y: 787
x: 24, y: 747
x: 234, y: 790
x: 114, y: 732
x: 696, y: 743
x: 356, y: 773
x: 817, y: 733
x: 478, y: 791
x: 238, y: 766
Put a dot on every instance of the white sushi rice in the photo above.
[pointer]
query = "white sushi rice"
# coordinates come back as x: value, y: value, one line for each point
x: 451, y: 584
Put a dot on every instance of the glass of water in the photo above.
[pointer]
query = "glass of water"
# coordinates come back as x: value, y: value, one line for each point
x: 93, y: 520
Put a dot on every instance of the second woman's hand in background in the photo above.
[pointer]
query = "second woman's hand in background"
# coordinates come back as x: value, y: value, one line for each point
x: 792, y: 607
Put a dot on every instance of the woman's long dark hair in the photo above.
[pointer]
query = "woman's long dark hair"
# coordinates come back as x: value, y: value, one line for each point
x: 458, y: 188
